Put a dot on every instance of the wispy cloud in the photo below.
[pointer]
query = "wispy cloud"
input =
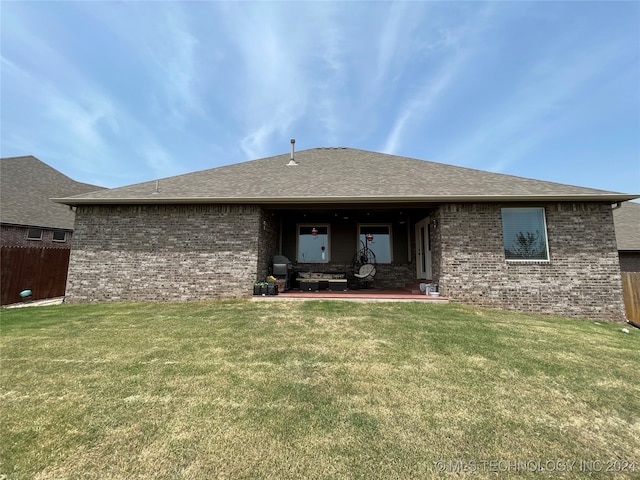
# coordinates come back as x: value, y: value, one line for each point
x: 396, y: 44
x: 534, y: 110
x: 328, y: 88
x: 421, y: 103
x: 172, y: 47
x: 83, y: 124
x: 148, y: 89
x: 269, y: 75
x: 445, y: 53
x: 160, y: 38
x: 84, y: 119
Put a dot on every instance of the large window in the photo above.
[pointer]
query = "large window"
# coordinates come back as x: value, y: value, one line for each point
x: 378, y: 239
x: 525, y: 234
x: 313, y: 243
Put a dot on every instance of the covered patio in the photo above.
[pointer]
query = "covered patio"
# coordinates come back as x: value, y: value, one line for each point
x: 334, y: 241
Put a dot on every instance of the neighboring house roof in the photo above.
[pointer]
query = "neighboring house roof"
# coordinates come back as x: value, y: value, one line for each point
x: 627, y: 223
x: 341, y: 175
x: 26, y: 187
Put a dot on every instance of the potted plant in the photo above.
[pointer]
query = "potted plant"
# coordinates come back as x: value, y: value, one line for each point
x: 272, y: 285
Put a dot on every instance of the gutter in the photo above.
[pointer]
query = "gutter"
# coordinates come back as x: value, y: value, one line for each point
x: 24, y: 225
x: 159, y: 200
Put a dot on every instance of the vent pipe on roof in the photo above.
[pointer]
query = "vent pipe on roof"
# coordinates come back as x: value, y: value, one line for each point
x: 292, y: 162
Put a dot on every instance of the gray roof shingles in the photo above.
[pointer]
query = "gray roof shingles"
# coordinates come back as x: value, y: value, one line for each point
x: 26, y: 187
x: 627, y: 224
x: 346, y: 175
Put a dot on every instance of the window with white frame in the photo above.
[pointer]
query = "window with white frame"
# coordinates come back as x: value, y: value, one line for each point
x: 59, y: 236
x: 34, y: 234
x: 313, y: 244
x: 378, y: 239
x: 525, y: 234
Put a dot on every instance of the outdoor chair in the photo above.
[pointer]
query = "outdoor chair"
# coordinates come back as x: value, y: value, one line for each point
x: 365, y: 274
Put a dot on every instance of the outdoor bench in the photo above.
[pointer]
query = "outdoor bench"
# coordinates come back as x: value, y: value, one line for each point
x: 314, y: 281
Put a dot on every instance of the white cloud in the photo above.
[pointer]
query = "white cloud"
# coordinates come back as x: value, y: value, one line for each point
x: 135, y: 89
x: 446, y: 53
x: 270, y: 76
x: 156, y: 157
x: 84, y: 118
x: 172, y: 48
x: 535, y: 109
x: 422, y: 103
x: 396, y: 41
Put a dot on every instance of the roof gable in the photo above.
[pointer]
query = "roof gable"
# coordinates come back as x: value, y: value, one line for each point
x: 26, y: 187
x: 346, y: 175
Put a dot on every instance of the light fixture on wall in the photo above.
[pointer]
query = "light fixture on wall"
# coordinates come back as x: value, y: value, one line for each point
x: 434, y: 223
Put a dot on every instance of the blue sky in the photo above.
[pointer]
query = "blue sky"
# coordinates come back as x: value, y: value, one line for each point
x: 115, y: 93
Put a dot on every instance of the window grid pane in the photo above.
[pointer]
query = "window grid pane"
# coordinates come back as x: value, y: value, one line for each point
x: 381, y: 244
x: 59, y: 236
x: 313, y: 248
x: 34, y: 234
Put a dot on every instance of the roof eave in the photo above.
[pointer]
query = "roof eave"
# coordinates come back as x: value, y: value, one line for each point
x: 29, y: 225
x: 614, y: 197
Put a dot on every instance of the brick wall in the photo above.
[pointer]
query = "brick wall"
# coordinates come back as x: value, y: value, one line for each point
x: 394, y: 275
x: 164, y: 252
x: 436, y: 246
x: 582, y: 278
x: 14, y: 236
x: 268, y: 244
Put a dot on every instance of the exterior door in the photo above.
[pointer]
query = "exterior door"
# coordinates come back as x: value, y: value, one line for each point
x: 423, y: 249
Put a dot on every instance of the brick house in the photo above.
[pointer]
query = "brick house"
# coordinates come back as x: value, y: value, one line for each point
x: 627, y: 223
x: 487, y: 239
x: 31, y: 225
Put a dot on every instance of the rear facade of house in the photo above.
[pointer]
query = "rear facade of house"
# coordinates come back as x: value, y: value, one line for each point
x: 485, y: 239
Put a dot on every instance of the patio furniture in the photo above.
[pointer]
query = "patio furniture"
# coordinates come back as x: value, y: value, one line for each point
x: 282, y: 270
x: 315, y: 281
x: 364, y: 266
x: 365, y: 274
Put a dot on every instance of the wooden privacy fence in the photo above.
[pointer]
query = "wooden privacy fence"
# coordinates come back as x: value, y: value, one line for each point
x: 41, y: 270
x: 631, y: 292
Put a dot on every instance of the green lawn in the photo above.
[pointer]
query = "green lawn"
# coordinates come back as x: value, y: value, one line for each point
x: 241, y: 389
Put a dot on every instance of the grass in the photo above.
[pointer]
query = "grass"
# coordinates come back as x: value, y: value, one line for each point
x: 240, y: 389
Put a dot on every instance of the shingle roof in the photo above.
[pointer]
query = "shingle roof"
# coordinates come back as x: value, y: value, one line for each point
x: 345, y: 175
x: 627, y: 223
x: 26, y: 186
